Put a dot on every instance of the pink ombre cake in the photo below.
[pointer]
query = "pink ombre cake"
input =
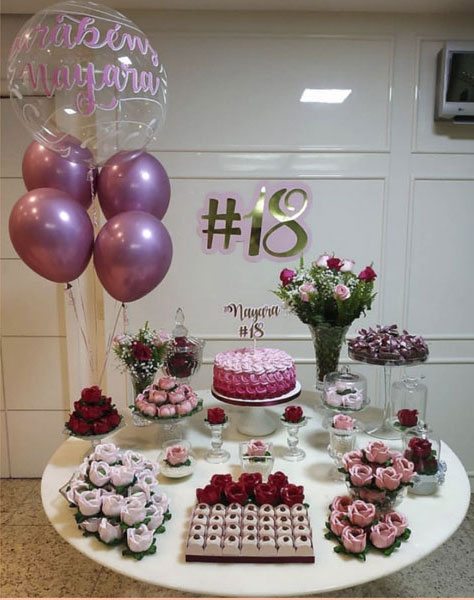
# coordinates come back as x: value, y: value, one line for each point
x: 250, y: 374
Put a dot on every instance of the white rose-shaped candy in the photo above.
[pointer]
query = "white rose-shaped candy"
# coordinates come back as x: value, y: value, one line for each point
x: 140, y: 539
x: 120, y: 476
x: 84, y: 467
x: 159, y: 498
x: 133, y: 460
x: 109, y: 453
x: 133, y: 511
x: 147, y: 477
x: 89, y: 502
x: 112, y: 505
x: 140, y: 488
x: 99, y: 473
x: 156, y: 516
x: 76, y: 486
x: 152, y: 466
x: 108, y: 532
x: 137, y: 494
x: 91, y: 525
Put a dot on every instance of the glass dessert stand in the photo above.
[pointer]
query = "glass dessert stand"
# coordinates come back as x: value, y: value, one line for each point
x: 385, y: 430
x: 170, y: 428
x: 258, y: 421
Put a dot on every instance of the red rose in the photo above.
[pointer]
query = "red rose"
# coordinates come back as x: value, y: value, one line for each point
x: 106, y: 403
x: 292, y: 494
x: 215, y: 416
x: 90, y: 411
x: 91, y: 395
x: 140, y: 351
x: 236, y: 492
x: 368, y: 274
x: 220, y: 481
x: 266, y: 494
x: 100, y: 426
x: 286, y: 276
x: 293, y: 414
x: 421, y: 448
x: 79, y: 426
x: 211, y: 494
x: 334, y: 263
x: 249, y: 481
x: 278, y: 479
x: 407, y: 418
x: 113, y: 420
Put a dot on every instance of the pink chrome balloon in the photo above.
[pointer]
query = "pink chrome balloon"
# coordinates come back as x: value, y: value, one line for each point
x: 45, y: 168
x: 128, y: 182
x: 52, y: 234
x: 132, y: 255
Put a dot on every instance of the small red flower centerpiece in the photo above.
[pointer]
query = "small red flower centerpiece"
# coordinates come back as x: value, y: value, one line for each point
x: 94, y: 414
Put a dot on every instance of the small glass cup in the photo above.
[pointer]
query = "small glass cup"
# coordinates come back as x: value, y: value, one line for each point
x: 422, y: 446
x: 257, y: 464
x: 292, y: 452
x: 217, y: 454
x: 340, y: 442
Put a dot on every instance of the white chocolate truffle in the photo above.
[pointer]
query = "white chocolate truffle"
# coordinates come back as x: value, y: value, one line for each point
x: 198, y: 529
x: 282, y: 521
x: 298, y: 509
x: 282, y: 510
x: 215, y: 529
x: 265, y: 530
x: 249, y: 519
x: 234, y: 509
x: 266, y: 510
x: 249, y: 530
x: 200, y: 519
x: 202, y: 509
x: 216, y: 520
x: 250, y: 509
x: 303, y: 545
x: 285, y: 545
x: 213, y: 545
x: 300, y: 520
x: 218, y: 509
x: 301, y: 530
x: 232, y: 519
x: 284, y: 530
x: 266, y: 520
x: 249, y: 545
x: 267, y: 546
x: 230, y: 546
x: 196, y: 544
x: 232, y: 529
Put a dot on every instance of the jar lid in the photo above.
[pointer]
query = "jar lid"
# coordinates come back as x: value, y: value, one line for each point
x: 345, y: 375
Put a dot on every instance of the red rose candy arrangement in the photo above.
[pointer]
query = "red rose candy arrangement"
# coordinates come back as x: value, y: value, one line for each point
x: 94, y: 414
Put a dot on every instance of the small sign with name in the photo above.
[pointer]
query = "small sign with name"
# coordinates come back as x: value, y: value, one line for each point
x: 251, y: 318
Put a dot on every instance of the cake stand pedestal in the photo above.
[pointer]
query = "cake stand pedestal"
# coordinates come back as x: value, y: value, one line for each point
x: 258, y: 421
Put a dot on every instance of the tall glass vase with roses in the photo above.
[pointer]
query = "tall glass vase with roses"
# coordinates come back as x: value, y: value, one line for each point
x: 327, y: 296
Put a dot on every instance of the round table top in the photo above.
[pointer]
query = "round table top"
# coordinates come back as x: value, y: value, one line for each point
x: 331, y: 571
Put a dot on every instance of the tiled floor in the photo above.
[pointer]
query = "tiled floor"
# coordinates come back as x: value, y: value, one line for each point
x: 35, y: 561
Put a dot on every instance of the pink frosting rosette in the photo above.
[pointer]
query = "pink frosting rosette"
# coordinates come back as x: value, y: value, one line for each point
x: 112, y: 505
x: 361, y: 475
x: 256, y: 448
x: 121, y: 475
x: 139, y: 539
x: 341, y: 504
x: 354, y: 539
x: 343, y: 422
x: 99, y: 473
x: 337, y: 522
x: 396, y: 520
x: 387, y: 478
x: 108, y: 453
x: 167, y: 383
x: 108, y: 531
x: 383, y: 535
x: 405, y: 467
x: 177, y: 454
x: 133, y: 511
x: 377, y: 452
x: 156, y: 515
x: 361, y: 513
x: 354, y: 457
x: 90, y: 502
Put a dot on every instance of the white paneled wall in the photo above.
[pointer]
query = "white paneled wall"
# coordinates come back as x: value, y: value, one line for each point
x: 388, y: 184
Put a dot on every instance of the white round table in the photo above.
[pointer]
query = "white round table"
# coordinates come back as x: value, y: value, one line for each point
x: 331, y: 571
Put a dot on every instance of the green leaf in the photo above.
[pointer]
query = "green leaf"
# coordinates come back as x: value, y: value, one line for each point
x: 161, y: 529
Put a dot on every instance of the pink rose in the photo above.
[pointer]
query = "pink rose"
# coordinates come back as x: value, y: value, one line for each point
x: 256, y: 448
x: 405, y: 467
x: 176, y: 397
x: 177, y: 455
x: 322, y: 261
x: 354, y: 457
x: 361, y: 513
x: 347, y: 265
x: 167, y: 383
x: 168, y: 410
x: 383, y: 535
x: 286, y: 277
x: 184, y: 408
x: 361, y: 475
x: 341, y: 504
x: 396, y: 520
x: 354, y: 539
x: 343, y: 422
x: 337, y: 522
x: 387, y: 478
x: 377, y: 452
x: 305, y: 290
x: 341, y: 292
x: 372, y: 495
x: 148, y: 409
x: 158, y: 396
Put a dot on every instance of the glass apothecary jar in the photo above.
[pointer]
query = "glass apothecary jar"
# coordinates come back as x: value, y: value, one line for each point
x: 409, y: 398
x: 184, y: 356
x: 422, y: 447
x: 345, y: 391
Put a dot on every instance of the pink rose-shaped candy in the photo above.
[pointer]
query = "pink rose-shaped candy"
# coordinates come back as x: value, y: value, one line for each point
x: 341, y: 292
x: 343, y: 422
x: 91, y: 525
x: 397, y: 520
x: 322, y: 260
x: 177, y: 454
x: 160, y: 499
x: 120, y: 476
x: 147, y: 409
x: 176, y: 397
x: 156, y: 516
x: 139, y: 539
x: 405, y: 467
x: 108, y: 532
x: 383, y: 535
x: 341, y: 504
x: 333, y: 398
x: 168, y: 410
x: 305, y: 290
x: 133, y: 460
x: 387, y: 478
x: 377, y: 452
x: 256, y: 448
x: 158, y: 396
x: 194, y: 400
x: 148, y: 477
x: 89, y: 503
x: 76, y: 487
x: 361, y: 513
x: 184, y: 408
x: 354, y: 457
x: 167, y: 383
x: 133, y: 511
x: 354, y: 539
x: 361, y: 475
x: 112, y: 505
x: 337, y: 523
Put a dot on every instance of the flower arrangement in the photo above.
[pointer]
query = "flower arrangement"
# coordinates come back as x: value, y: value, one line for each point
x: 250, y: 489
x: 377, y: 475
x: 117, y: 500
x: 216, y: 416
x: 141, y: 354
x: 422, y: 455
x: 166, y: 400
x: 354, y: 524
x: 293, y: 415
x: 94, y: 414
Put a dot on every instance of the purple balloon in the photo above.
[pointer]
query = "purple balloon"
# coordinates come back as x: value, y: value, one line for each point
x: 132, y: 255
x: 130, y: 182
x: 52, y: 234
x: 43, y: 168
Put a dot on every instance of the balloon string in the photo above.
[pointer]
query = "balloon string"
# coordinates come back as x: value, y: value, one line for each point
x: 109, y: 342
x: 90, y: 179
x: 69, y: 290
x: 92, y: 350
x: 125, y: 318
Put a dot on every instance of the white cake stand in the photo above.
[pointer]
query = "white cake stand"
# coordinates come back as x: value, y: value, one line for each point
x: 258, y: 421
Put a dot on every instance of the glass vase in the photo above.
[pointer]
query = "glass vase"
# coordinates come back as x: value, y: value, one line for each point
x: 139, y: 385
x: 217, y: 455
x: 327, y: 341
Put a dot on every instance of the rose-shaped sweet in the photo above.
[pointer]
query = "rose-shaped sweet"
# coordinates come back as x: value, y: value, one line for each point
x: 334, y: 263
x: 305, y: 290
x: 99, y: 473
x: 236, y: 492
x: 256, y: 448
x: 367, y: 274
x: 89, y: 411
x: 354, y: 457
x: 383, y: 535
x: 194, y: 400
x: 396, y: 520
x: 387, y: 478
x: 168, y: 410
x: 286, y: 276
x: 322, y: 261
x: 158, y: 396
x: 333, y: 398
x: 140, y: 489
x: 79, y: 426
x: 354, y: 539
x: 407, y: 417
x: 101, y: 426
x: 266, y: 494
x: 159, y: 498
x: 372, y: 495
x: 133, y: 460
x: 421, y: 448
x: 215, y: 416
x: 167, y: 383
x: 177, y: 454
x: 109, y: 453
x: 337, y: 522
x: 292, y: 494
x: 113, y: 420
x: 405, y: 467
x: 353, y: 401
x: 140, y: 351
x: 293, y: 414
x: 210, y: 494
x: 342, y: 292
x: 361, y: 513
x: 221, y: 481
x: 377, y: 452
x: 347, y: 265
x: 108, y: 531
x: 155, y: 514
x: 176, y: 396
x: 361, y: 475
x: 133, y: 511
x: 121, y: 476
x: 90, y: 525
x: 91, y: 395
x: 148, y: 409
x: 89, y: 502
x: 147, y: 476
x: 343, y: 422
x: 112, y: 505
x: 184, y: 408
x: 139, y: 539
x: 278, y: 479
x: 341, y: 504
x: 76, y: 487
x: 250, y: 480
